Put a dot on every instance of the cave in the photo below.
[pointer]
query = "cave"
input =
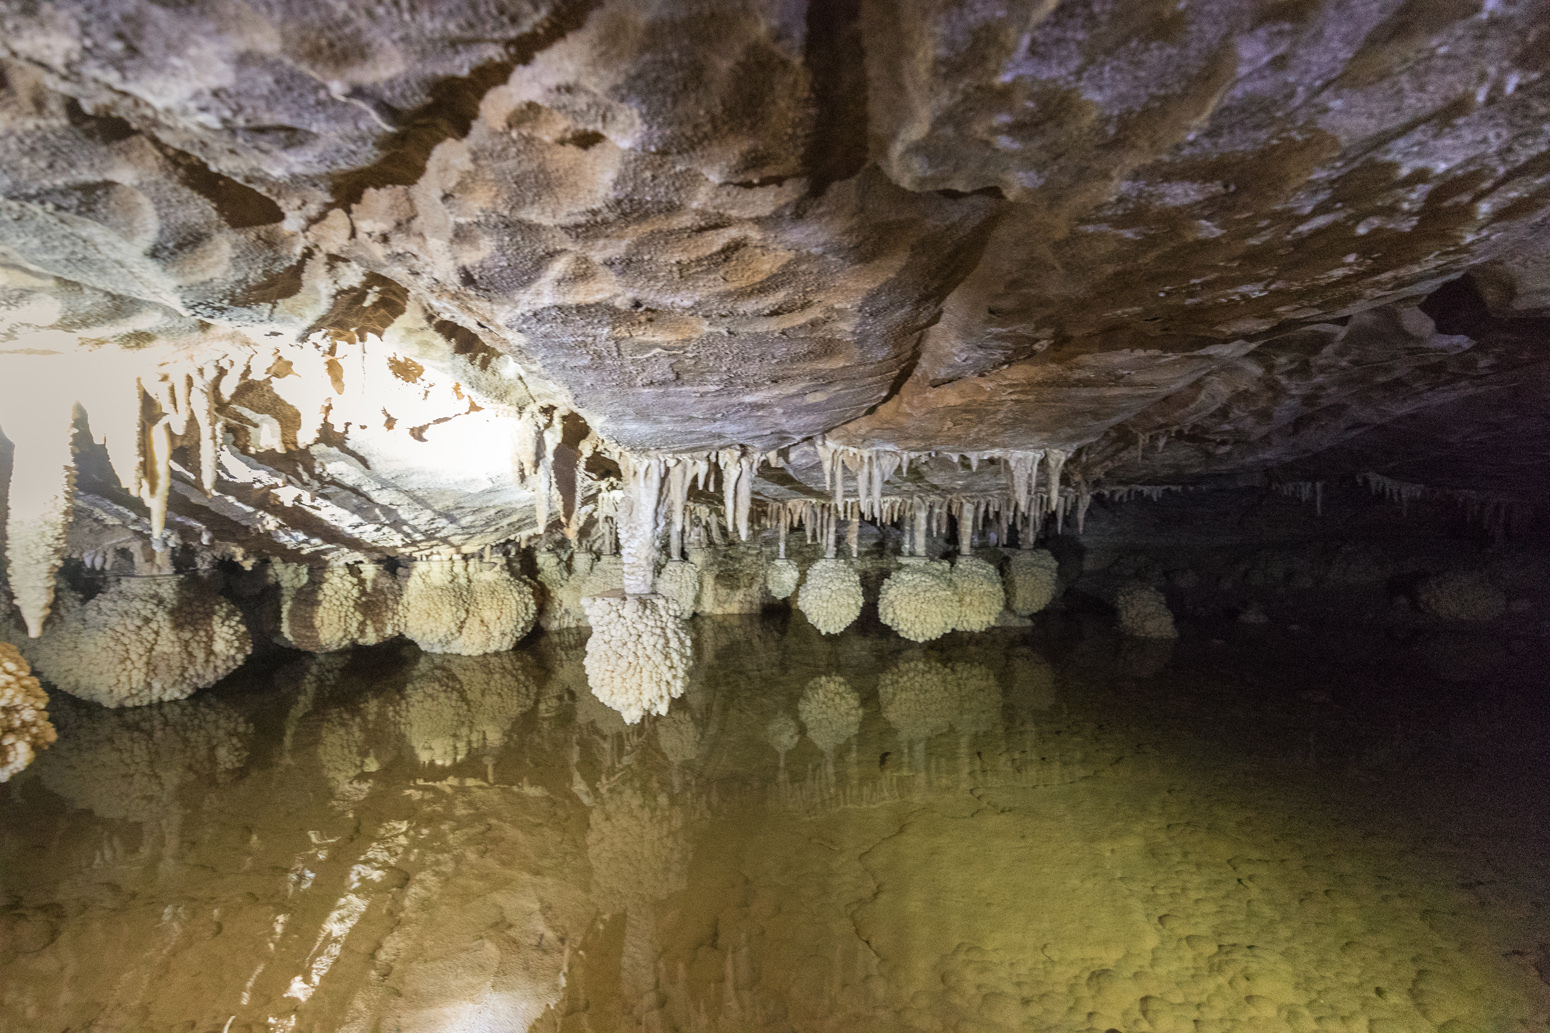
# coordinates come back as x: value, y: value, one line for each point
x: 806, y: 516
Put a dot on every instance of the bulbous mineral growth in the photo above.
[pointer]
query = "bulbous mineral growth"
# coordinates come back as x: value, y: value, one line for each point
x: 976, y: 698
x: 1143, y: 612
x: 1031, y: 581
x: 588, y: 576
x: 336, y: 606
x: 678, y: 736
x: 831, y: 596
x: 639, y: 654
x: 459, y: 706
x: 466, y: 606
x: 782, y: 733
x: 782, y: 578
x: 917, y: 698
x: 830, y: 711
x: 918, y: 601
x: 1461, y: 595
x: 24, y: 724
x: 142, y: 640
x: 679, y: 581
x: 132, y: 765
x: 977, y: 588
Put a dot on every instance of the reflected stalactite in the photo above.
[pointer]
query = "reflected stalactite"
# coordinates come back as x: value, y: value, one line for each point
x: 917, y: 700
x: 783, y: 849
x: 831, y: 716
x: 639, y: 855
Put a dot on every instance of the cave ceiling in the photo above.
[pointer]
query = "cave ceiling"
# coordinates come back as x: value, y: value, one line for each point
x: 1175, y: 240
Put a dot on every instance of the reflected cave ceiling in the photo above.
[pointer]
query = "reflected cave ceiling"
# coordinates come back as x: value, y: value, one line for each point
x: 1178, y: 240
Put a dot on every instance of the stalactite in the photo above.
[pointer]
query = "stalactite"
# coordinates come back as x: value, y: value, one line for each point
x: 155, y: 487
x: 853, y: 536
x: 1395, y: 491
x: 39, y: 424
x: 638, y: 515
x: 747, y: 468
x: 679, y: 474
x: 1024, y: 467
x: 209, y: 426
x: 1054, y: 462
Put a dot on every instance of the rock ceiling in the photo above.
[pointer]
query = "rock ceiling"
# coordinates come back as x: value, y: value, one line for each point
x: 363, y: 264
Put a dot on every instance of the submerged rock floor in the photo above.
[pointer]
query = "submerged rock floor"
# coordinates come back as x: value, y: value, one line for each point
x: 1256, y: 828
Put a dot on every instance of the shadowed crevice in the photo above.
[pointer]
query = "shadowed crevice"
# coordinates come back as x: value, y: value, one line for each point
x: 452, y: 107
x: 836, y: 59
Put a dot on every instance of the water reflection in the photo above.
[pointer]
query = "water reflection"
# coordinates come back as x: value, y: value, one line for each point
x: 994, y: 832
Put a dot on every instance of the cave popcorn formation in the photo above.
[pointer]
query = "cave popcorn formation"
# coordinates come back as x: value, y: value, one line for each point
x: 1031, y: 581
x: 143, y: 639
x: 466, y: 606
x: 638, y: 656
x: 830, y: 712
x: 24, y: 724
x: 1143, y: 612
x: 919, y: 600
x: 830, y: 596
x: 978, y: 592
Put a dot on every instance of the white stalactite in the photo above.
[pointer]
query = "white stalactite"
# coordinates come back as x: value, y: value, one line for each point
x: 638, y: 522
x: 39, y: 423
x: 678, y: 477
x: 1054, y: 462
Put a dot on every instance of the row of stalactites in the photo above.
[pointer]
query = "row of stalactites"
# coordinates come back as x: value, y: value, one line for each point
x: 135, y: 414
x: 921, y: 516
x: 870, y: 468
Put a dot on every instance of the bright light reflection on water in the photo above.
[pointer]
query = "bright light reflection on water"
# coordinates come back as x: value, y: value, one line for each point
x: 1048, y: 831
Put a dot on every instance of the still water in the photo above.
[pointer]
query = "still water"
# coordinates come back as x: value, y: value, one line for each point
x: 1047, y: 830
